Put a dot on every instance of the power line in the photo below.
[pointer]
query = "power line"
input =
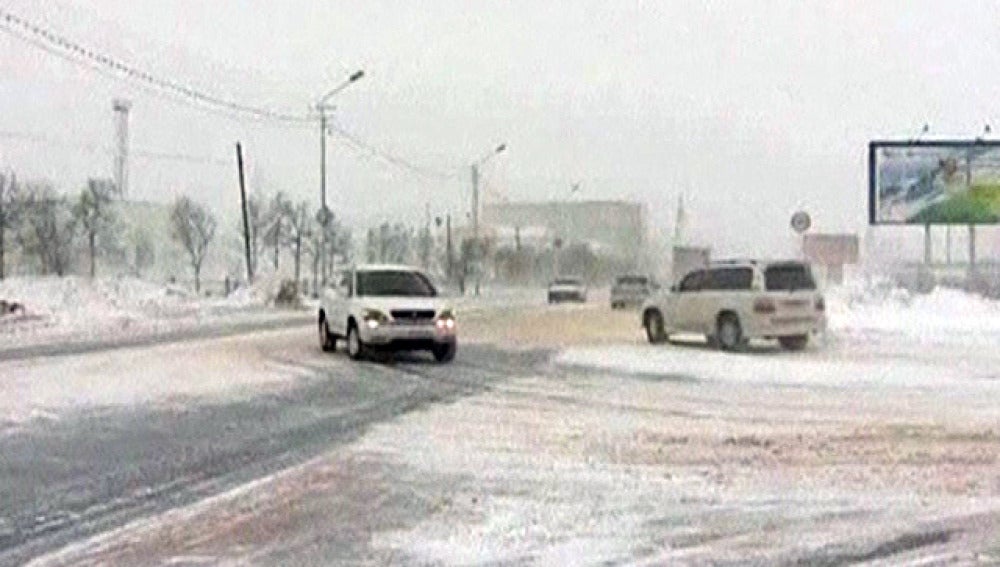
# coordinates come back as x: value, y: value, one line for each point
x: 364, y: 147
x: 70, y: 50
x: 140, y: 153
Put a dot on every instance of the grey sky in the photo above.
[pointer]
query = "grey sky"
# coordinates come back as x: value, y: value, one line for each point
x: 753, y: 109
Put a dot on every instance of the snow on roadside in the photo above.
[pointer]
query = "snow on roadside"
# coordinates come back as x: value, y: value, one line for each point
x: 878, y: 336
x: 867, y: 308
x: 73, y: 309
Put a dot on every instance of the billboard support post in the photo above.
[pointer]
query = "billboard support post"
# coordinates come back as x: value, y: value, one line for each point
x: 928, y: 256
x: 972, y: 252
x: 947, y: 245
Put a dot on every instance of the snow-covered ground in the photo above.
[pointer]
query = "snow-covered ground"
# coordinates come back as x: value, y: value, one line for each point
x: 74, y: 309
x: 881, y: 436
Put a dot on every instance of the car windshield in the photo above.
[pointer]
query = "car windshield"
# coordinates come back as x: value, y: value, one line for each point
x: 632, y: 280
x: 398, y: 283
x: 567, y: 281
x: 788, y: 277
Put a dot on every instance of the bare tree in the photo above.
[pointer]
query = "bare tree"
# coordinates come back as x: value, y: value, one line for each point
x: 194, y: 227
x: 338, y: 246
x: 276, y: 219
x: 48, y: 228
x: 299, y: 225
x: 93, y: 212
x: 257, y: 223
x: 9, y: 197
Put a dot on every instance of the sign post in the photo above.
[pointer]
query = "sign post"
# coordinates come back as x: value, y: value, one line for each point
x: 800, y: 224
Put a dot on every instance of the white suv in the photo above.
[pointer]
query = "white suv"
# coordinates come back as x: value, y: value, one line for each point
x: 734, y: 301
x: 387, y: 307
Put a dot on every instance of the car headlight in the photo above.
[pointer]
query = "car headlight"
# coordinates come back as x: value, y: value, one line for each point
x: 373, y: 318
x: 445, y: 320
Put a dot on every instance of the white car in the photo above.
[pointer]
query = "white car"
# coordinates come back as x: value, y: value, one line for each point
x: 565, y: 288
x: 387, y: 307
x: 732, y: 302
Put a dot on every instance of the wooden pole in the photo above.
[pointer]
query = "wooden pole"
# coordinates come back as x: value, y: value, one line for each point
x: 246, y: 222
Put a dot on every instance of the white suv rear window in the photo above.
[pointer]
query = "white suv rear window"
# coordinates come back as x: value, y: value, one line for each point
x: 781, y: 277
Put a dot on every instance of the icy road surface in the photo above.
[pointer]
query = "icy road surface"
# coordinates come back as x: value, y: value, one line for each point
x: 558, y: 437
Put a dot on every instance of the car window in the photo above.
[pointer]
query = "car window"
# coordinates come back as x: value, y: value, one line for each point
x: 729, y: 279
x: 692, y: 281
x: 399, y: 283
x: 790, y: 276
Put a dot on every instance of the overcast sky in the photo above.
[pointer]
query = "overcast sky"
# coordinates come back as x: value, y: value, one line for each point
x: 752, y: 109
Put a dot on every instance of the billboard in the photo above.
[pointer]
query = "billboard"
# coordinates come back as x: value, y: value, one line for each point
x: 934, y: 182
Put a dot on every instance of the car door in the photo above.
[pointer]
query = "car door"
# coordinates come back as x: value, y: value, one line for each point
x: 687, y: 302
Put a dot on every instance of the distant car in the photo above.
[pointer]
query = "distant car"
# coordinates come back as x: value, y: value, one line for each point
x: 567, y: 289
x: 732, y: 302
x: 631, y: 290
x: 387, y: 307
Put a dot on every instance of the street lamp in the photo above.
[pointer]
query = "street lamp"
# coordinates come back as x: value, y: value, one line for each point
x: 324, y: 213
x: 475, y: 203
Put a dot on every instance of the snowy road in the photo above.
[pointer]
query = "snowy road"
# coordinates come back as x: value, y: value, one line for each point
x: 88, y: 442
x: 557, y: 437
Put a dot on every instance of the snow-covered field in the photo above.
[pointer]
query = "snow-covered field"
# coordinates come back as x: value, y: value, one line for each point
x: 73, y: 309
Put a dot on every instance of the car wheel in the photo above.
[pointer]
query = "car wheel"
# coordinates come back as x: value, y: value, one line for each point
x: 327, y: 342
x: 729, y: 333
x: 655, y: 332
x: 794, y: 342
x: 445, y: 352
x: 355, y: 348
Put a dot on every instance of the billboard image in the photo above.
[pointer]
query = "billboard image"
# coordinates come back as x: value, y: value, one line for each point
x: 934, y: 182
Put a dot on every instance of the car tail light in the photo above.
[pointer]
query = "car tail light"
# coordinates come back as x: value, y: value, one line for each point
x: 820, y: 304
x: 764, y: 305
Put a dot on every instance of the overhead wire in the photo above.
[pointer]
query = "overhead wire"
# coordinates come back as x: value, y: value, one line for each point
x: 76, y: 53
x: 52, y: 42
x: 140, y: 153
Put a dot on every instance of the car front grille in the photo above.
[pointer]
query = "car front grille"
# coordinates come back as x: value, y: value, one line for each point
x: 412, y: 316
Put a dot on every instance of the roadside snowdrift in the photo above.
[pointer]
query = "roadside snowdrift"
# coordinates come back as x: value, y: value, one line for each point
x: 875, y: 308
x: 74, y: 309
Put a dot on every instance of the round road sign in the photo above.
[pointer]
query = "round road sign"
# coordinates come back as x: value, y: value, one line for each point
x: 801, y: 222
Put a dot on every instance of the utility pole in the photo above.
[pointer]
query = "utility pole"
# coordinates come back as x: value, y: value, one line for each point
x: 475, y: 223
x: 324, y: 212
x: 323, y: 220
x: 476, y: 248
x: 448, y: 252
x: 243, y: 200
x: 121, y: 107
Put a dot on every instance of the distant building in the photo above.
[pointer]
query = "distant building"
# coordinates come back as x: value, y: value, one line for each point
x: 617, y: 227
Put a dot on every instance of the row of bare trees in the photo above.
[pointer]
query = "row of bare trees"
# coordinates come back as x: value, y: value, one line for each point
x: 278, y: 224
x: 44, y: 226
x: 48, y: 231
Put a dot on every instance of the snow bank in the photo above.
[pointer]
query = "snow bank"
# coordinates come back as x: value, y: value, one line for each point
x: 876, y: 308
x: 75, y: 308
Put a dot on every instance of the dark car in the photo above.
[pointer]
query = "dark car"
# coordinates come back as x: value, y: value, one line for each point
x: 567, y: 289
